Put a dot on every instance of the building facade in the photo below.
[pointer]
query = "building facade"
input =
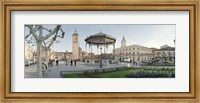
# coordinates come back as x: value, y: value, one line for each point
x: 30, y: 55
x: 134, y: 52
x: 140, y: 54
x: 165, y: 54
x: 76, y: 53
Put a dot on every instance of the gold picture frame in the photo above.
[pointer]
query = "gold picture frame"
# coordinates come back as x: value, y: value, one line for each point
x: 47, y: 5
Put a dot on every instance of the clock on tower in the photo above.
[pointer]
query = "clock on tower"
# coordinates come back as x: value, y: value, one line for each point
x: 75, y: 39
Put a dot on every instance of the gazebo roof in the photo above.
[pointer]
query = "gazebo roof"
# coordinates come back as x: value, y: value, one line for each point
x: 100, y: 39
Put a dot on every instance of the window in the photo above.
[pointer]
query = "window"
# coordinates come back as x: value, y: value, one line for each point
x: 169, y: 54
x: 96, y: 61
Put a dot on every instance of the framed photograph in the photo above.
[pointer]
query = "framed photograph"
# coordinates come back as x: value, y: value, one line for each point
x: 100, y: 50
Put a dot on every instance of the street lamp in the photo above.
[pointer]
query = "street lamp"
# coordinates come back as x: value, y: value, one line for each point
x: 65, y: 54
x: 101, y: 58
x: 120, y: 56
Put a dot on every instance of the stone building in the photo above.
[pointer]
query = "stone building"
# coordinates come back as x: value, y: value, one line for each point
x: 165, y: 54
x: 141, y: 54
x: 30, y: 54
x: 133, y: 52
x: 76, y: 54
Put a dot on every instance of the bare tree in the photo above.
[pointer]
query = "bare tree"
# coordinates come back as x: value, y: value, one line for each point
x: 37, y: 36
x: 49, y: 43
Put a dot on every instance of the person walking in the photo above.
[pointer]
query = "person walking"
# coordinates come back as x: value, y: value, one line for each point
x: 56, y: 62
x: 133, y: 62
x: 71, y: 62
x: 75, y: 62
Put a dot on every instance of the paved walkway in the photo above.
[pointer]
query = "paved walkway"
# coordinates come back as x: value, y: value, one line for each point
x: 30, y: 71
x: 54, y: 71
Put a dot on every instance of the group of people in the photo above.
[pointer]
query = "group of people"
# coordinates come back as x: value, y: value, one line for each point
x: 72, y: 62
x: 51, y: 62
x: 134, y: 63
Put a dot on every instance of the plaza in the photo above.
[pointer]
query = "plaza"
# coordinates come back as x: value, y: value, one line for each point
x: 99, y: 53
x: 55, y: 71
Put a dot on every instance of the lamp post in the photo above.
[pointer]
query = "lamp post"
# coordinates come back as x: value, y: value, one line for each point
x: 66, y: 57
x: 120, y: 56
x: 101, y: 58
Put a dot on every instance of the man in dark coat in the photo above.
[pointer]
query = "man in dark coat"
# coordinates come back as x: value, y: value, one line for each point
x: 75, y: 62
x: 57, y: 62
x: 71, y: 62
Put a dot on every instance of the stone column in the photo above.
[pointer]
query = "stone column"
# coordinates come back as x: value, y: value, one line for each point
x: 91, y: 54
x: 104, y: 49
x: 97, y: 49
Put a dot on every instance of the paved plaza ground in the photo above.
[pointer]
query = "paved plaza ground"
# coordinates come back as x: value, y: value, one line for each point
x: 54, y: 71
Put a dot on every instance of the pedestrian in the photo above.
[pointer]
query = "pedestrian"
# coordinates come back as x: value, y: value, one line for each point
x: 133, y: 62
x: 57, y: 62
x: 71, y: 62
x: 75, y: 62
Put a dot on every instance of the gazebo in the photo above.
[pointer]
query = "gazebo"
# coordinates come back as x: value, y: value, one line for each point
x: 101, y: 41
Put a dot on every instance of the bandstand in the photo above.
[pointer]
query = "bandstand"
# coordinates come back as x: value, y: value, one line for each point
x: 102, y: 42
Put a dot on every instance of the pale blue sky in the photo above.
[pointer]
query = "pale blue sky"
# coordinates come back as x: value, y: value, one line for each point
x: 141, y: 34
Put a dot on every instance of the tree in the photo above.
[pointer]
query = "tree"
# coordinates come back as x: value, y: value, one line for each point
x: 37, y: 36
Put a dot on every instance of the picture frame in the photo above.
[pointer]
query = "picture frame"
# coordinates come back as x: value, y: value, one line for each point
x: 119, y: 5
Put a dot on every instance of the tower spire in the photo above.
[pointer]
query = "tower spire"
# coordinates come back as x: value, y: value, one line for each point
x: 123, y: 42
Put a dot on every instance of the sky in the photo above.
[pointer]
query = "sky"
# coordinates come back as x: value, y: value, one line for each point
x: 141, y: 34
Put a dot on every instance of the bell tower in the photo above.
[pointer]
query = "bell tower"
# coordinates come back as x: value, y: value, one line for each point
x: 75, y: 46
x: 123, y: 42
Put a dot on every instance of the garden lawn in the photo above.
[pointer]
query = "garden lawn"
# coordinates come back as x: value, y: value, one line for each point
x: 121, y: 73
